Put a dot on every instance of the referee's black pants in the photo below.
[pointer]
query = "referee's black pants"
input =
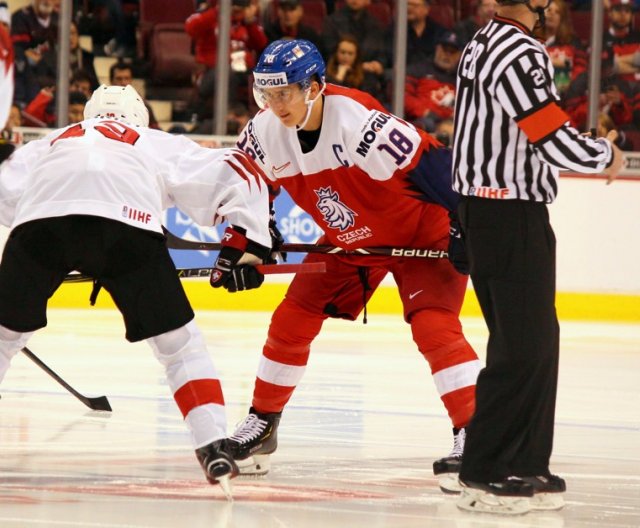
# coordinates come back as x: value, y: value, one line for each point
x: 511, y: 249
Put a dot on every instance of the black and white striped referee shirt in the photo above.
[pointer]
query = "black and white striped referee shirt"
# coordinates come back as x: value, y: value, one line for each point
x: 510, y: 136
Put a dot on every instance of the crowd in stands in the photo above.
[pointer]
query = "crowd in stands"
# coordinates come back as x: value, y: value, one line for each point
x: 354, y: 36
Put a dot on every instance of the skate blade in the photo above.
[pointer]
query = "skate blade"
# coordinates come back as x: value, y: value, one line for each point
x: 449, y: 483
x: 254, y: 466
x: 225, y: 485
x: 547, y: 501
x: 475, y: 500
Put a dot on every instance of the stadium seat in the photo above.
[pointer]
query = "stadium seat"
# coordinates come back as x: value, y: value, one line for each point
x: 443, y: 15
x: 154, y: 12
x: 165, y: 11
x: 172, y: 63
x: 314, y: 14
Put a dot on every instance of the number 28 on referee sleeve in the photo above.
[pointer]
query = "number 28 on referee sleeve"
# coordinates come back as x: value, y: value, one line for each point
x: 468, y: 69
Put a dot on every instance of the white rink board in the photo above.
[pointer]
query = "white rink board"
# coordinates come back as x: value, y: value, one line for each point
x: 597, y: 227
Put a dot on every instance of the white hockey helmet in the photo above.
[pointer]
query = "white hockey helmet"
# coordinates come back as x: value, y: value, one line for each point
x: 120, y: 102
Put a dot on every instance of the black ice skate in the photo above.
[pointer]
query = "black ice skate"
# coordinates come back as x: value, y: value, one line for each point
x: 547, y: 492
x: 253, y: 441
x: 447, y: 468
x: 218, y: 464
x: 510, y: 496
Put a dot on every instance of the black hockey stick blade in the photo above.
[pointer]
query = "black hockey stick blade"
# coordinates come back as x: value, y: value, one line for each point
x: 99, y: 403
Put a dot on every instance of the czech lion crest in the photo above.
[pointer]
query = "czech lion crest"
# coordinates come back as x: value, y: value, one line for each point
x: 336, y: 214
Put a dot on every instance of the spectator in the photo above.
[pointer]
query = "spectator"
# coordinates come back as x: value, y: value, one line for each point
x: 121, y: 74
x: 482, y: 13
x: 621, y: 43
x: 77, y: 102
x: 238, y: 116
x: 5, y: 15
x: 619, y: 100
x: 15, y: 118
x: 81, y: 82
x: 444, y: 132
x: 34, y: 30
x: 288, y: 23
x: 431, y: 87
x: 354, y: 19
x: 43, y: 107
x: 345, y: 68
x: 79, y: 59
x: 423, y: 32
x: 123, y: 43
x: 605, y: 125
x: 112, y: 30
x: 247, y: 40
x: 568, y: 57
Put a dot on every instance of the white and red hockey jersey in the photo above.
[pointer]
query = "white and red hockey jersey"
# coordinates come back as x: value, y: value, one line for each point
x: 355, y: 182
x: 106, y: 168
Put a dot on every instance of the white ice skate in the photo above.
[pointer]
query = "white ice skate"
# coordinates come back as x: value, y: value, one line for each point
x: 511, y: 496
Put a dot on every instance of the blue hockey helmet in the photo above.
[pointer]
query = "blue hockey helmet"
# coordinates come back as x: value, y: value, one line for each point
x: 285, y: 62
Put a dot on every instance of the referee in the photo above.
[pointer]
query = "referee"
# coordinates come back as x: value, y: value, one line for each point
x: 511, y: 139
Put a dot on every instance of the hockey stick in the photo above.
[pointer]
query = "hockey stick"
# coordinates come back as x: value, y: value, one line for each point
x: 265, y: 269
x: 174, y: 242
x: 99, y: 403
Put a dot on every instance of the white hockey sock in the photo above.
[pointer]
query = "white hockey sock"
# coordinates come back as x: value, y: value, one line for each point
x: 206, y: 424
x: 184, y: 355
x: 10, y: 344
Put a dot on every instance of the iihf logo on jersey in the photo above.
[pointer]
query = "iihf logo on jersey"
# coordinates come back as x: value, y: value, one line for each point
x: 336, y: 214
x: 135, y: 214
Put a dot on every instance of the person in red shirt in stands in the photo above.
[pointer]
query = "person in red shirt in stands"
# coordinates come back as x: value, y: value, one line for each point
x: 565, y: 49
x: 6, y: 88
x: 34, y: 30
x: 430, y: 88
x: 619, y: 100
x: 619, y: 90
x: 248, y: 39
x: 621, y: 43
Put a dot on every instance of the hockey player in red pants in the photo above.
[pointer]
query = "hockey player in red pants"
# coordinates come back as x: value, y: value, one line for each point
x: 368, y: 179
